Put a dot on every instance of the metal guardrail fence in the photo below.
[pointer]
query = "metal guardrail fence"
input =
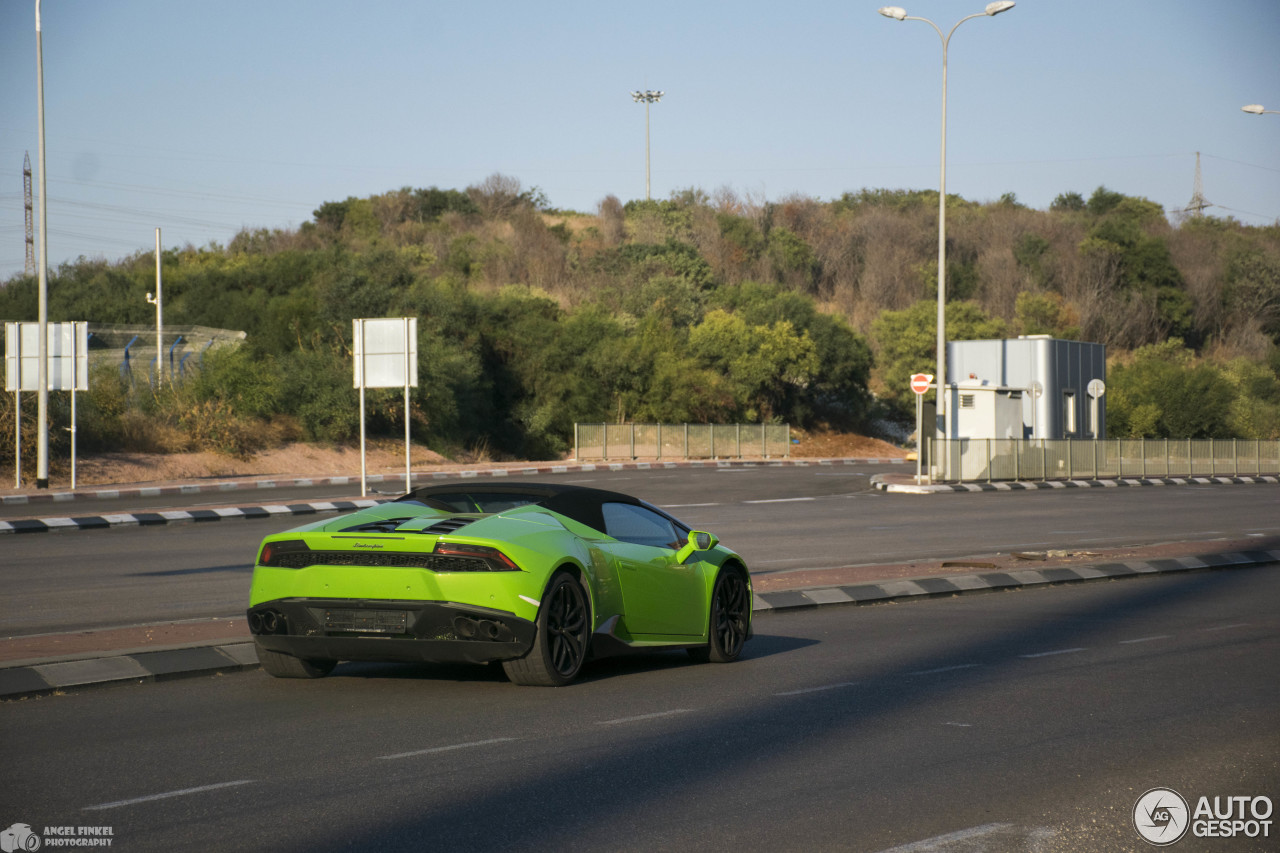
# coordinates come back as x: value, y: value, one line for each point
x: 989, y: 459
x: 680, y: 441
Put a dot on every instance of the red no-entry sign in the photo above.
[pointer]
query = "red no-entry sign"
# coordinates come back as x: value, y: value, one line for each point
x: 920, y: 382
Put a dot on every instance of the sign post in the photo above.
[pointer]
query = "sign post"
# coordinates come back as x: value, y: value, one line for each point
x: 920, y: 383
x: 386, y: 356
x: 1096, y: 389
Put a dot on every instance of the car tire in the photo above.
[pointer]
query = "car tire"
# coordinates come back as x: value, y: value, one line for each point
x: 282, y: 665
x: 728, y: 622
x: 560, y: 643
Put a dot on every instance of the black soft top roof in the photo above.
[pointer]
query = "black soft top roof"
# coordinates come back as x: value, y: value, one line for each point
x: 581, y: 503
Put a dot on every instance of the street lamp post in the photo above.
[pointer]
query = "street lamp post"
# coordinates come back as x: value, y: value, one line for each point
x: 158, y: 301
x: 900, y: 14
x: 1257, y: 110
x: 42, y: 315
x: 648, y: 97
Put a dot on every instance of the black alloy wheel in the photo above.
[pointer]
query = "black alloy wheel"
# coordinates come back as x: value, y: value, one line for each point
x: 564, y: 631
x: 730, y: 616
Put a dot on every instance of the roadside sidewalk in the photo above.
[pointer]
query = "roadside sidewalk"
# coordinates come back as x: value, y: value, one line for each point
x: 53, y: 663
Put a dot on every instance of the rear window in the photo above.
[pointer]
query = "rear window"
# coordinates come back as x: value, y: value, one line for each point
x: 483, y: 501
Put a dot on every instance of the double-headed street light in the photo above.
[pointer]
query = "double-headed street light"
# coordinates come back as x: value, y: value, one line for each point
x: 1257, y: 110
x: 648, y: 97
x: 900, y: 14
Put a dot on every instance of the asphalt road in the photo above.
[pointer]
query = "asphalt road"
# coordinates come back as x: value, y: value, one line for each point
x: 1008, y: 722
x: 780, y: 519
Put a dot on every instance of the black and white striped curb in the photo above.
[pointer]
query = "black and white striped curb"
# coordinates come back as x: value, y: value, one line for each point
x: 423, y: 478
x: 880, y: 482
x: 162, y: 665
x: 895, y: 590
x: 179, y: 516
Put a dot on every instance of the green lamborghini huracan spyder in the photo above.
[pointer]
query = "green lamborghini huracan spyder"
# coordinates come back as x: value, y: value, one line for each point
x: 540, y: 577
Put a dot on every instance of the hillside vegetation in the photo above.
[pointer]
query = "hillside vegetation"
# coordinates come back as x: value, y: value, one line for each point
x: 695, y: 308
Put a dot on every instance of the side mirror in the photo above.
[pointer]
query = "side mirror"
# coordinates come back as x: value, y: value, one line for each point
x: 699, y: 540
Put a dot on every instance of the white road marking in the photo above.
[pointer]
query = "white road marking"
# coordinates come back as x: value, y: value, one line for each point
x: 944, y: 669
x: 942, y: 842
x: 779, y: 500
x: 1055, y: 652
x: 643, y: 717
x: 1227, y: 627
x: 450, y: 748
x: 1146, y: 639
x: 181, y: 793
x: 817, y: 689
x: 685, y: 506
x: 960, y: 725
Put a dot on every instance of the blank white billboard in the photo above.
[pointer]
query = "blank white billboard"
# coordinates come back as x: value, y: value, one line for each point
x: 380, y: 349
x: 68, y: 356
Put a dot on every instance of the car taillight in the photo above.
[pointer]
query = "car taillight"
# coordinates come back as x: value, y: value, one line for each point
x: 273, y: 551
x: 497, y: 560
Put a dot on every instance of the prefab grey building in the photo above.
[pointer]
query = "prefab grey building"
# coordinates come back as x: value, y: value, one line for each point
x: 1048, y: 378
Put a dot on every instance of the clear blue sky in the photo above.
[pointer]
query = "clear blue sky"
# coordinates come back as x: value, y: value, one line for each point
x: 203, y: 118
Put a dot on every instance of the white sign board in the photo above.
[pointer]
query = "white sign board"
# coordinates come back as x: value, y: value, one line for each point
x: 380, y: 348
x: 68, y: 356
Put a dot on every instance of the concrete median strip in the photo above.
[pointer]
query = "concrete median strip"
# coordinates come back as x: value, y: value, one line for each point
x: 98, y: 522
x: 905, y: 484
x: 898, y: 590
x: 44, y: 678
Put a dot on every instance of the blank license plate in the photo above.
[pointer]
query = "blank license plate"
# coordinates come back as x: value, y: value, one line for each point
x: 367, y: 621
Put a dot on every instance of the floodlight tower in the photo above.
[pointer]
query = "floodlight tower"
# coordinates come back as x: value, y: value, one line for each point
x: 648, y: 96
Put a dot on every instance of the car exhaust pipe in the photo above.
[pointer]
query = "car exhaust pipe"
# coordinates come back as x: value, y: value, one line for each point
x: 270, y: 622
x: 255, y: 622
x: 465, y: 627
x: 489, y: 629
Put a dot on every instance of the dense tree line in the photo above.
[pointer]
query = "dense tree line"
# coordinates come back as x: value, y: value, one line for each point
x: 694, y: 308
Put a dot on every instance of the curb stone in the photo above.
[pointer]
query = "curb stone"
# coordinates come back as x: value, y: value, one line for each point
x: 35, y: 679
x: 146, y: 519
x: 897, y: 590
x: 884, y: 483
x: 160, y: 665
